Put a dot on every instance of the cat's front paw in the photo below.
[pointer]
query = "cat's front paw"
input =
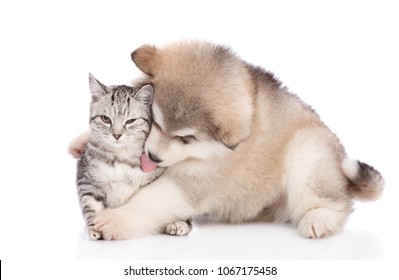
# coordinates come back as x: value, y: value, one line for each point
x: 93, y: 234
x: 110, y: 224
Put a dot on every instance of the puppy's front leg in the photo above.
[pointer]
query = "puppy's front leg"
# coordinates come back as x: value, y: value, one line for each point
x: 77, y: 145
x: 149, y: 211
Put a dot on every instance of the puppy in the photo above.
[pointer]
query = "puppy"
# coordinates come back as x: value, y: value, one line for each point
x: 237, y: 146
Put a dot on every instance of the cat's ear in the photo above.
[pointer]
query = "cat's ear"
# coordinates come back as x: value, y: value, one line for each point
x: 97, y: 89
x: 145, y: 94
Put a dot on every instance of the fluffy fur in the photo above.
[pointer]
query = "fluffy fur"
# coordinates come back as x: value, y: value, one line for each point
x: 109, y: 172
x: 237, y: 146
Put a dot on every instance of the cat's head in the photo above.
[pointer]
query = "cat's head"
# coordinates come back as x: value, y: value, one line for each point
x: 119, y: 115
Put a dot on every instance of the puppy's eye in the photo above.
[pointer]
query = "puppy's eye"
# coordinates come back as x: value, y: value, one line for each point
x: 186, y: 139
x: 105, y: 119
x: 130, y: 121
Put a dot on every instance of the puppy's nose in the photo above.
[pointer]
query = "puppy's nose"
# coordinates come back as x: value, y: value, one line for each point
x: 154, y: 158
x: 117, y: 136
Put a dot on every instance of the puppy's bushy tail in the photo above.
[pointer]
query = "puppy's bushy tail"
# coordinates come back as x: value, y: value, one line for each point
x: 365, y: 183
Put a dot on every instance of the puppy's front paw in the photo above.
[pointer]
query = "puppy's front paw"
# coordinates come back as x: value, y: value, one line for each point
x: 179, y: 228
x: 78, y: 144
x: 75, y: 152
x: 110, y: 225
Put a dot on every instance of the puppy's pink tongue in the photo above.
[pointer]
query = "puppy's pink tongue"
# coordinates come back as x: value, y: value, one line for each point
x: 146, y: 164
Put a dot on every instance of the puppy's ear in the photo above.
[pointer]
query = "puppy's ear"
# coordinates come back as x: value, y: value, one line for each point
x: 144, y: 58
x: 232, y: 135
x: 232, y: 124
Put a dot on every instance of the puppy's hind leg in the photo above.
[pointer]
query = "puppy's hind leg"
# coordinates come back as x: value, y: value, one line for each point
x: 318, y: 200
x: 319, y: 208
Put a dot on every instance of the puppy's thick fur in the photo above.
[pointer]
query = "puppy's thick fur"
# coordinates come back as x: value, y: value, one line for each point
x: 239, y: 147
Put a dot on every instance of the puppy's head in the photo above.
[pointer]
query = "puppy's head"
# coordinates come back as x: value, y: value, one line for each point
x: 203, y: 100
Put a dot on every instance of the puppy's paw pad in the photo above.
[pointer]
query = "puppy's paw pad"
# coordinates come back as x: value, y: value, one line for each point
x: 75, y: 152
x: 78, y: 144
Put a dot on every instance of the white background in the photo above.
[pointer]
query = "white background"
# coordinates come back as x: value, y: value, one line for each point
x: 339, y: 57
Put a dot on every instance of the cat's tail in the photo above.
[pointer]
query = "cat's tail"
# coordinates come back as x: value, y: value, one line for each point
x: 365, y: 182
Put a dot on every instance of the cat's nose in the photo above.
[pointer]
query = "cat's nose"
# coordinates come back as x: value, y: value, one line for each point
x: 117, y: 136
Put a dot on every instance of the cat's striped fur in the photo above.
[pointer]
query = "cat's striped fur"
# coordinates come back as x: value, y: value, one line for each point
x: 109, y: 172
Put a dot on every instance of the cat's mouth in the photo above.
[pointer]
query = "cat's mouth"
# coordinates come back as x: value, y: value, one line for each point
x: 118, y: 142
x: 126, y: 142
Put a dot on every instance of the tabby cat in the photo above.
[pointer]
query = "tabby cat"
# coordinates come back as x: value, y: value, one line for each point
x: 109, y: 172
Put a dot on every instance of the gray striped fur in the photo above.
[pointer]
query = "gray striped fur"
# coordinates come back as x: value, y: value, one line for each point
x: 109, y: 172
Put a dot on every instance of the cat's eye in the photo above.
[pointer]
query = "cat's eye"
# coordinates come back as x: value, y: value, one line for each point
x: 130, y: 121
x: 186, y: 139
x: 105, y: 119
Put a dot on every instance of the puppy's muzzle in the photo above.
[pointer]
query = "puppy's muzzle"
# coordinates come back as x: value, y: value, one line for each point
x: 154, y: 158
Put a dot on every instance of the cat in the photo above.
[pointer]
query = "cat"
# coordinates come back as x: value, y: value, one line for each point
x: 109, y: 172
